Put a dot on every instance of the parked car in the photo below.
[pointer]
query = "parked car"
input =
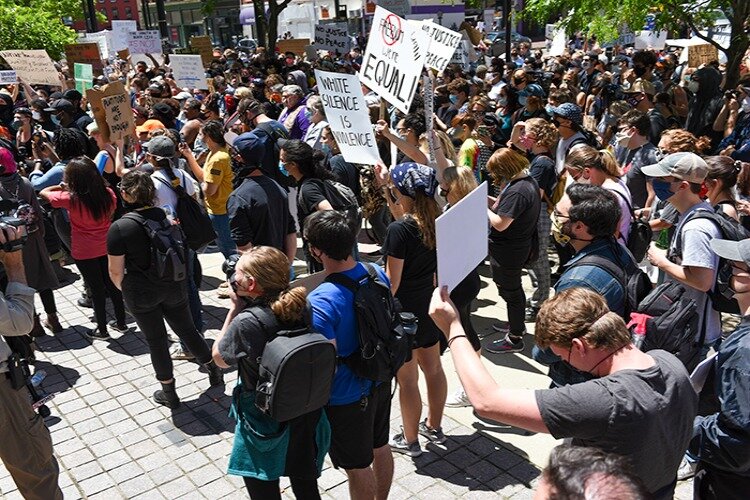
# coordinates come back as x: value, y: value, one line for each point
x: 246, y: 45
x: 498, y: 41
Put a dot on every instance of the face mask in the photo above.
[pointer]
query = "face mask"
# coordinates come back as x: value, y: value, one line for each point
x: 16, y: 124
x: 55, y: 120
x: 622, y: 139
x: 558, y: 231
x: 326, y: 149
x: 633, y: 101
x: 36, y: 115
x: 527, y: 142
x: 522, y: 100
x: 639, y: 71
x: 518, y: 82
x: 502, y: 101
x: 283, y: 169
x: 746, y: 105
x: 662, y: 189
x: 549, y: 108
x: 693, y: 86
x: 443, y: 193
x: 453, y: 98
x: 308, y: 114
x: 586, y: 64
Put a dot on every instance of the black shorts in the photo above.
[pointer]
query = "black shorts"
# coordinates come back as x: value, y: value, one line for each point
x: 355, y: 431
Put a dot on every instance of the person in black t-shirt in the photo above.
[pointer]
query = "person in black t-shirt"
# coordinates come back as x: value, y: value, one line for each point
x: 346, y: 173
x: 513, y: 239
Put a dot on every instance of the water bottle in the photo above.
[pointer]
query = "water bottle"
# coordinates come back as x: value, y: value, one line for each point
x: 36, y: 379
x: 663, y: 241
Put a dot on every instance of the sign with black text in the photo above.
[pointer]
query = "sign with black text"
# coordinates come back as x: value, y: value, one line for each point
x: 332, y: 37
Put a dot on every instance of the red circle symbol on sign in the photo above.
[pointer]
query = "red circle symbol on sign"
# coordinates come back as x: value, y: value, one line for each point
x: 391, y: 29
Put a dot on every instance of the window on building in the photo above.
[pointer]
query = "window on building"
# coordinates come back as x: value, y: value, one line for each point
x: 174, y: 18
x: 115, y: 13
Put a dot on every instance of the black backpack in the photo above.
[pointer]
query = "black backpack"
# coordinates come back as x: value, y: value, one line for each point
x: 192, y: 217
x: 384, y: 344
x: 639, y: 238
x: 721, y: 296
x: 168, y: 253
x: 341, y: 198
x: 295, y: 370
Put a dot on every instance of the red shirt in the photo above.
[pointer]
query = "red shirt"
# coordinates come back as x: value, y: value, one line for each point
x: 88, y: 235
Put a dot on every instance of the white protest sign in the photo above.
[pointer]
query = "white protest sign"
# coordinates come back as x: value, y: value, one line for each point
x: 120, y: 31
x: 559, y: 42
x: 34, y: 66
x: 461, y: 247
x: 401, y: 8
x: 188, y: 71
x: 394, y: 59
x: 119, y: 116
x: 104, y: 39
x: 443, y: 43
x: 332, y: 37
x: 348, y: 116
x: 650, y: 40
x: 144, y: 42
x: 465, y: 53
x: 8, y: 76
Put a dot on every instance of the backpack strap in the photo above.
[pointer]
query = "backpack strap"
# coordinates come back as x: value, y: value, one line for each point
x: 630, y: 207
x: 607, y: 265
x: 699, y: 213
x: 179, y: 190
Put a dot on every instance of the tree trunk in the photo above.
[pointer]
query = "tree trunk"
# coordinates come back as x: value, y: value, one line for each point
x: 260, y: 23
x: 273, y: 29
x: 739, y: 42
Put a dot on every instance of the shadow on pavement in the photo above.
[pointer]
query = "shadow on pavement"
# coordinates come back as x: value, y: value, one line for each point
x: 207, y: 415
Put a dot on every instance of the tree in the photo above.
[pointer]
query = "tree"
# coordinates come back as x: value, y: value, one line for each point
x: 268, y: 28
x: 604, y: 18
x: 37, y: 24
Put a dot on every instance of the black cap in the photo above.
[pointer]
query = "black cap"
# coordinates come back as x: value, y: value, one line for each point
x: 72, y: 95
x: 61, y: 105
x: 162, y: 108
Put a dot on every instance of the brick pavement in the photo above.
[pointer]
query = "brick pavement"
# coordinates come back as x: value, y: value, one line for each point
x: 113, y: 441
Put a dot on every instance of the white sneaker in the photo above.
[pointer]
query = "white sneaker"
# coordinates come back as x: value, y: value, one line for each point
x: 458, y: 399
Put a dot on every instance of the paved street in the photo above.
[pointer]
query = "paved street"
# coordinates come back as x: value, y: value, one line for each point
x: 112, y: 441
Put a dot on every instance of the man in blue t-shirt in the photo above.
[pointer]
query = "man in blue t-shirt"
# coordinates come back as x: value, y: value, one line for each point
x: 359, y: 410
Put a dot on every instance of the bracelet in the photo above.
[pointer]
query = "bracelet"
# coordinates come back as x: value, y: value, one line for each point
x: 454, y: 338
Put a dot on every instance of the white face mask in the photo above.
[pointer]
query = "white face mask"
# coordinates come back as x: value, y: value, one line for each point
x: 622, y: 139
x: 693, y: 86
x: 746, y: 104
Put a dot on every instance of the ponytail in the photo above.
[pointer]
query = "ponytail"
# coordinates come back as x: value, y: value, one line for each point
x: 289, y: 306
x: 426, y: 210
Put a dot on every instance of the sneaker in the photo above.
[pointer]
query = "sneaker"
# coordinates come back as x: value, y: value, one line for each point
x: 178, y: 354
x: 95, y: 334
x: 530, y: 316
x: 458, y: 399
x: 399, y: 445
x: 434, y: 435
x: 168, y: 399
x: 504, y: 345
x: 84, y: 301
x: 119, y: 329
x: 686, y: 470
x: 501, y: 326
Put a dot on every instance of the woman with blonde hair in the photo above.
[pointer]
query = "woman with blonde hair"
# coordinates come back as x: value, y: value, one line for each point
x: 514, y: 241
x: 264, y: 449
x: 679, y: 140
x: 586, y: 165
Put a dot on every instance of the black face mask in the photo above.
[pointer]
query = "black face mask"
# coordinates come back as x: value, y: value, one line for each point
x: 639, y: 71
x: 443, y: 193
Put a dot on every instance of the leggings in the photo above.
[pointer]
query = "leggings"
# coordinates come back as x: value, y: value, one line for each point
x: 96, y: 274
x: 48, y: 301
x: 304, y: 489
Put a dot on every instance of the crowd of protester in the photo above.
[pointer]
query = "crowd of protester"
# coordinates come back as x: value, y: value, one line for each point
x: 578, y: 149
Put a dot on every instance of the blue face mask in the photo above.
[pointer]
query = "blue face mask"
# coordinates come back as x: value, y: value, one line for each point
x: 326, y: 149
x: 662, y: 189
x: 453, y: 98
x: 550, y: 108
x: 55, y: 119
x: 283, y: 169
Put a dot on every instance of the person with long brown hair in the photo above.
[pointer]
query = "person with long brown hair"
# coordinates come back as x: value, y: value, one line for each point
x: 90, y: 203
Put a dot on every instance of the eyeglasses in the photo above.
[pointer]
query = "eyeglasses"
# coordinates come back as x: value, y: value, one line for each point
x: 556, y: 215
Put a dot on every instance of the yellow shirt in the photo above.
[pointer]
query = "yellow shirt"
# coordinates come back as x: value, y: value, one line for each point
x: 218, y: 170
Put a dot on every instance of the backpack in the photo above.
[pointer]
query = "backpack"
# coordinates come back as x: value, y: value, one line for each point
x: 639, y: 238
x: 168, y: 255
x: 384, y: 344
x: 721, y: 296
x: 295, y: 372
x: 589, y: 138
x: 192, y: 217
x: 343, y: 199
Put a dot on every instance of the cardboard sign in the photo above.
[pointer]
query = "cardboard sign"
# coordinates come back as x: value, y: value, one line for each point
x: 294, y: 45
x: 348, y: 116
x: 702, y: 54
x: 119, y: 116
x: 474, y: 35
x: 461, y: 247
x: 84, y: 76
x: 8, y: 77
x: 144, y: 42
x: 97, y: 108
x: 311, y: 53
x: 188, y: 72
x: 202, y: 46
x: 395, y: 55
x: 123, y: 54
x: 33, y: 66
x: 401, y: 8
x: 443, y: 43
x: 120, y: 31
x: 85, y: 53
x: 332, y: 37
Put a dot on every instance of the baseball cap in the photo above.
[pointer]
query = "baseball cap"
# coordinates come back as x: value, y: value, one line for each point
x: 149, y: 126
x: 640, y: 86
x: 738, y: 251
x: 684, y: 166
x: 60, y: 105
x: 72, y: 95
x: 161, y: 147
x: 183, y: 95
x: 7, y: 162
x: 251, y: 148
x: 569, y: 111
x: 162, y: 108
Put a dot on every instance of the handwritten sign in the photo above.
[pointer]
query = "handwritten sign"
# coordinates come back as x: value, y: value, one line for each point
x: 188, y: 71
x: 201, y: 45
x: 95, y: 98
x: 464, y: 53
x: 144, y: 42
x: 34, y: 66
x: 348, y: 116
x: 8, y: 77
x: 702, y: 54
x: 85, y: 53
x: 443, y: 43
x: 294, y: 45
x: 395, y: 55
x: 332, y: 37
x: 104, y: 39
x: 120, y: 31
x: 84, y: 76
x: 119, y: 116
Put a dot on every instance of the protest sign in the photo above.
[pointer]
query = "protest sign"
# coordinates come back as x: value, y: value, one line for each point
x: 97, y: 108
x: 202, y: 46
x: 401, y: 8
x: 394, y: 59
x: 464, y: 53
x: 104, y: 39
x: 84, y: 76
x: 144, y: 42
x: 650, y: 40
x: 187, y: 71
x: 120, y: 31
x: 8, y: 77
x: 474, y: 35
x: 119, y: 116
x: 443, y: 43
x: 702, y: 54
x: 332, y: 37
x: 311, y: 53
x: 33, y: 66
x: 348, y: 116
x: 559, y: 43
x: 461, y: 247
x: 123, y: 54
x: 85, y: 53
x: 294, y: 45
x: 427, y: 97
